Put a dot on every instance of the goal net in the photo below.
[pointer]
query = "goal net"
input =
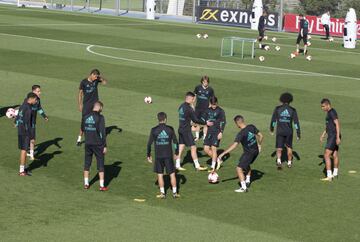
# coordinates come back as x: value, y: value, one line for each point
x: 238, y: 47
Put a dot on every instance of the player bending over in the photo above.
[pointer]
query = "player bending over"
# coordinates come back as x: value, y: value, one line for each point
x: 93, y: 125
x: 303, y: 35
x: 88, y: 95
x: 261, y: 28
x: 186, y: 139
x: 332, y: 131
x: 216, y: 115
x: 283, y: 118
x: 203, y: 93
x: 164, y: 138
x: 251, y: 140
x: 24, y: 125
x: 36, y: 108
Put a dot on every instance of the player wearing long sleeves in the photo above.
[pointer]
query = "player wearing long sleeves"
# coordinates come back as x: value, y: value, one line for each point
x: 283, y: 118
x: 333, y: 133
x: 216, y: 115
x: 93, y: 125
x: 251, y: 139
x: 24, y: 124
x: 325, y: 21
x: 303, y: 34
x: 261, y: 28
x: 203, y: 94
x: 186, y: 139
x: 88, y: 95
x: 36, y: 109
x: 164, y: 139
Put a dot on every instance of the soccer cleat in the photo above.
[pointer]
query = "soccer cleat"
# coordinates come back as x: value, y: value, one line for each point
x: 241, y: 190
x: 180, y: 168
x: 86, y: 186
x: 78, y: 143
x: 289, y: 164
x: 218, y: 165
x: 196, y: 139
x: 24, y: 173
x: 201, y: 168
x: 279, y: 165
x: 161, y: 196
x: 248, y: 184
x: 328, y: 179
x: 31, y: 157
x: 103, y: 189
x: 176, y: 195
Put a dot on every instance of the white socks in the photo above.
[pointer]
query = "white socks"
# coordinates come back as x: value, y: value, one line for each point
x: 79, y: 138
x: 243, y: 185
x: 247, y: 179
x: 328, y: 173
x: 31, y: 153
x: 174, y: 189
x: 177, y: 164
x: 86, y: 181
x: 278, y: 161
x: 162, y: 190
x: 22, y: 169
x: 213, y: 163
x: 336, y: 172
x: 197, y: 135
x: 197, y: 164
x: 101, y: 183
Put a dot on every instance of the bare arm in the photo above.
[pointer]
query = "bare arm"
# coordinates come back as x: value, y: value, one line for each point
x: 231, y: 148
x: 337, y: 124
x: 103, y: 80
x: 260, y: 138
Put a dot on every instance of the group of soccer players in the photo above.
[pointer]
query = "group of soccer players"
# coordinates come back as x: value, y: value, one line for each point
x: 200, y: 110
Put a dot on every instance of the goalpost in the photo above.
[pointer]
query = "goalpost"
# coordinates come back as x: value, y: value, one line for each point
x: 236, y: 46
x: 32, y: 3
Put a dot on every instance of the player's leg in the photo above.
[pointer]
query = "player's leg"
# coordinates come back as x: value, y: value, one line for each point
x: 170, y: 169
x: 327, y: 31
x: 181, y: 150
x: 205, y: 130
x: 159, y: 166
x: 213, y: 157
x: 288, y: 145
x: 23, y: 143
x: 241, y: 170
x: 208, y: 150
x: 195, y: 158
x: 298, y: 43
x: 87, y: 165
x: 280, y: 142
x: 305, y: 40
x: 248, y: 177
x: 78, y: 142
x: 336, y: 163
x: 327, y: 158
x: 100, y: 159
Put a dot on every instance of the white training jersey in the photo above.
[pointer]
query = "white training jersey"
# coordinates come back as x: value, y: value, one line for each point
x: 325, y: 19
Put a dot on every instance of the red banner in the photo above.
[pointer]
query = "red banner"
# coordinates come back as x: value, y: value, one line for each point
x: 291, y: 24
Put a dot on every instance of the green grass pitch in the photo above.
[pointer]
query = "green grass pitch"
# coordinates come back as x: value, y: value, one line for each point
x: 164, y: 60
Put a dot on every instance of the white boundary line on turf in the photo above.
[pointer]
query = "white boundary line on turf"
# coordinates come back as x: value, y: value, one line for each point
x: 71, y: 24
x: 186, y: 57
x: 89, y: 49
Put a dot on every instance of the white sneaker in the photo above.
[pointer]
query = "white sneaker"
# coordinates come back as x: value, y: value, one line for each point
x: 219, y: 163
x: 241, y: 190
x: 289, y: 164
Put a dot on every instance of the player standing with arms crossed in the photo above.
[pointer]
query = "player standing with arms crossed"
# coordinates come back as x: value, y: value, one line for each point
x: 203, y: 93
x: 93, y: 125
x: 24, y: 125
x: 332, y: 131
x: 283, y: 118
x: 36, y: 108
x: 88, y: 95
x: 186, y: 139
x: 251, y: 139
x: 216, y: 115
x: 164, y: 138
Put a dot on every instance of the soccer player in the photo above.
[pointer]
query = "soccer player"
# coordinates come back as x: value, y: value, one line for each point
x: 283, y: 118
x: 216, y: 115
x: 203, y: 93
x: 186, y: 139
x: 88, y: 95
x: 251, y: 139
x: 332, y: 131
x: 164, y: 137
x: 24, y: 125
x: 325, y: 21
x: 36, y: 108
x: 93, y: 125
x: 261, y: 28
x: 303, y: 34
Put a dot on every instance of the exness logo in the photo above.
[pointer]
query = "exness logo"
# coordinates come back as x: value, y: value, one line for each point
x: 208, y: 14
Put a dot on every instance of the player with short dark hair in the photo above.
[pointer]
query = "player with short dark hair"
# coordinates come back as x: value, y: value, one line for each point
x: 93, y: 125
x: 283, y: 118
x: 216, y: 115
x: 251, y: 139
x: 164, y: 138
x: 333, y: 133
x: 261, y: 28
x: 24, y: 125
x: 203, y: 93
x: 36, y: 108
x: 88, y: 95
x: 186, y: 139
x: 303, y: 34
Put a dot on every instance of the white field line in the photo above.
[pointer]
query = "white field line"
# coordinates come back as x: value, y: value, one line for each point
x: 185, y: 57
x: 71, y: 24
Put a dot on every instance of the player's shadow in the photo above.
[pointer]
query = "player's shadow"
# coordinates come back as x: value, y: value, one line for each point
x: 110, y: 129
x: 42, y: 147
x: 284, y: 156
x: 111, y: 172
x: 255, y: 175
x: 43, y: 160
x: 323, y: 163
x: 180, y: 180
x: 4, y: 109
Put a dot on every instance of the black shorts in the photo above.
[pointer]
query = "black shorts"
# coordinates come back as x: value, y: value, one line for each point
x: 23, y: 142
x: 261, y: 33
x: 247, y: 159
x: 33, y: 133
x: 200, y: 112
x: 211, y: 140
x: 331, y: 143
x: 98, y: 151
x: 161, y: 163
x: 284, y: 141
x: 304, y: 38
x: 186, y: 138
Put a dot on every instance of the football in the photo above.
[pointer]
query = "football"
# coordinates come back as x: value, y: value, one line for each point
x: 292, y: 55
x: 331, y: 39
x: 205, y: 36
x: 277, y: 48
x: 309, y: 58
x: 11, y: 113
x: 148, y: 100
x: 262, y: 58
x: 213, y: 178
x: 308, y: 43
x: 267, y: 48
x: 198, y: 36
x: 274, y: 39
x: 265, y: 37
